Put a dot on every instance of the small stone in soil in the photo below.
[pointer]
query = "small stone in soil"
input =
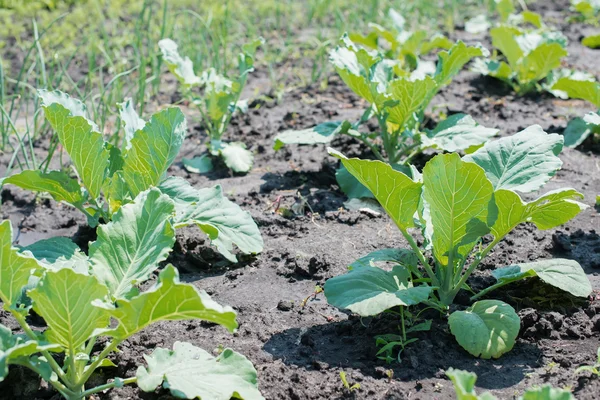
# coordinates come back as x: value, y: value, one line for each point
x: 285, y: 305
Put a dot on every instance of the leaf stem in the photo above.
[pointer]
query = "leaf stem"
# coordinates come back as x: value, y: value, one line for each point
x: 421, y: 257
x: 489, y: 289
x: 116, y: 383
x: 107, y: 350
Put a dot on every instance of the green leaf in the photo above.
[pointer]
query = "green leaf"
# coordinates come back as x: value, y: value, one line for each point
x: 58, y: 184
x: 116, y: 192
x: 222, y: 220
x: 64, y: 299
x: 457, y: 132
x: 548, y: 211
x: 402, y: 257
x: 369, y: 291
x: 198, y: 165
x: 15, y: 267
x: 547, y: 392
x: 322, y: 133
x: 539, y: 62
x: 398, y: 194
x: 493, y: 68
x: 413, y: 96
x: 350, y: 185
x: 132, y: 245
x: 591, y: 41
x: 237, y: 157
x: 523, y: 162
x: 564, y: 274
x: 503, y: 38
x: 487, y: 329
x: 219, y: 93
x: 153, y: 149
x: 182, y: 68
x: 505, y: 8
x: 584, y: 88
x: 59, y: 252
x: 452, y: 61
x: 576, y: 132
x: 130, y: 120
x: 79, y: 137
x: 168, y: 300
x: 464, y: 385
x: 190, y: 372
x: 17, y: 349
x: 458, y: 196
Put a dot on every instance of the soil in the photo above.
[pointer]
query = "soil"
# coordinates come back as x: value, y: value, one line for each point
x: 298, y: 351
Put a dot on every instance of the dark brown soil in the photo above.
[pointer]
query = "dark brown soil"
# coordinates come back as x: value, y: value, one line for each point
x: 299, y: 352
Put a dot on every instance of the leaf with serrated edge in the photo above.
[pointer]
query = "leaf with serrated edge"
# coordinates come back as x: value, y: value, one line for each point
x: 369, y: 291
x: 168, y: 300
x: 564, y: 274
x: 452, y: 61
x: 524, y: 161
x: 548, y: 211
x: 222, y: 220
x: 132, y: 245
x: 412, y: 97
x: 182, y: 68
x: 79, y: 137
x: 464, y: 385
x: 237, y: 157
x: 153, y: 149
x: 398, y: 194
x: 538, y: 64
x: 487, y: 329
x: 64, y: 299
x: 458, y: 195
x: 458, y: 132
x: 15, y: 267
x: 547, y: 392
x: 56, y: 183
x: 191, y: 373
x: 130, y: 120
x: 59, y: 252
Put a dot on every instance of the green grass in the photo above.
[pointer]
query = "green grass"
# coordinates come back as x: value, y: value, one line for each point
x: 103, y: 51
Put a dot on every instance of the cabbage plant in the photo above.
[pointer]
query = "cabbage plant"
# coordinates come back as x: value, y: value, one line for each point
x: 398, y: 104
x: 217, y: 103
x: 93, y: 303
x: 105, y: 177
x: 456, y: 203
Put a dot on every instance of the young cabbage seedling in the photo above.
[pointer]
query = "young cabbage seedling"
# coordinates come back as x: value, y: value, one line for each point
x: 398, y: 104
x: 219, y: 100
x: 108, y: 177
x: 464, y: 385
x: 589, y: 10
x: 455, y: 203
x: 405, y: 47
x: 530, y: 60
x: 85, y: 298
x: 593, y: 369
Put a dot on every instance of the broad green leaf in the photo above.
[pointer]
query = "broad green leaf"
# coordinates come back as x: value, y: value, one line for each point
x: 79, y: 137
x: 168, y: 300
x: 59, y: 252
x: 64, y: 299
x: 353, y: 65
x: 116, y: 192
x: 130, y: 120
x: 458, y: 196
x: 17, y: 349
x: 503, y: 38
x: 223, y: 221
x: 547, y: 392
x: 153, y: 149
x: 182, y: 68
x: 493, y: 68
x: 350, y: 185
x: 539, y: 62
x: 548, y: 211
x: 246, y: 57
x: 564, y: 274
x: 487, y: 329
x: 464, y: 385
x: 198, y: 165
x: 505, y: 8
x: 322, y: 133
x: 576, y: 132
x: 533, y: 18
x: 237, y: 157
x: 132, y: 245
x: 15, y: 267
x: 398, y: 194
x: 412, y: 96
x: 457, y: 132
x: 370, y: 291
x: 452, y: 61
x: 402, y: 257
x: 592, y: 41
x: 192, y: 373
x: 586, y: 89
x: 219, y: 93
x: 523, y: 162
x: 58, y: 184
